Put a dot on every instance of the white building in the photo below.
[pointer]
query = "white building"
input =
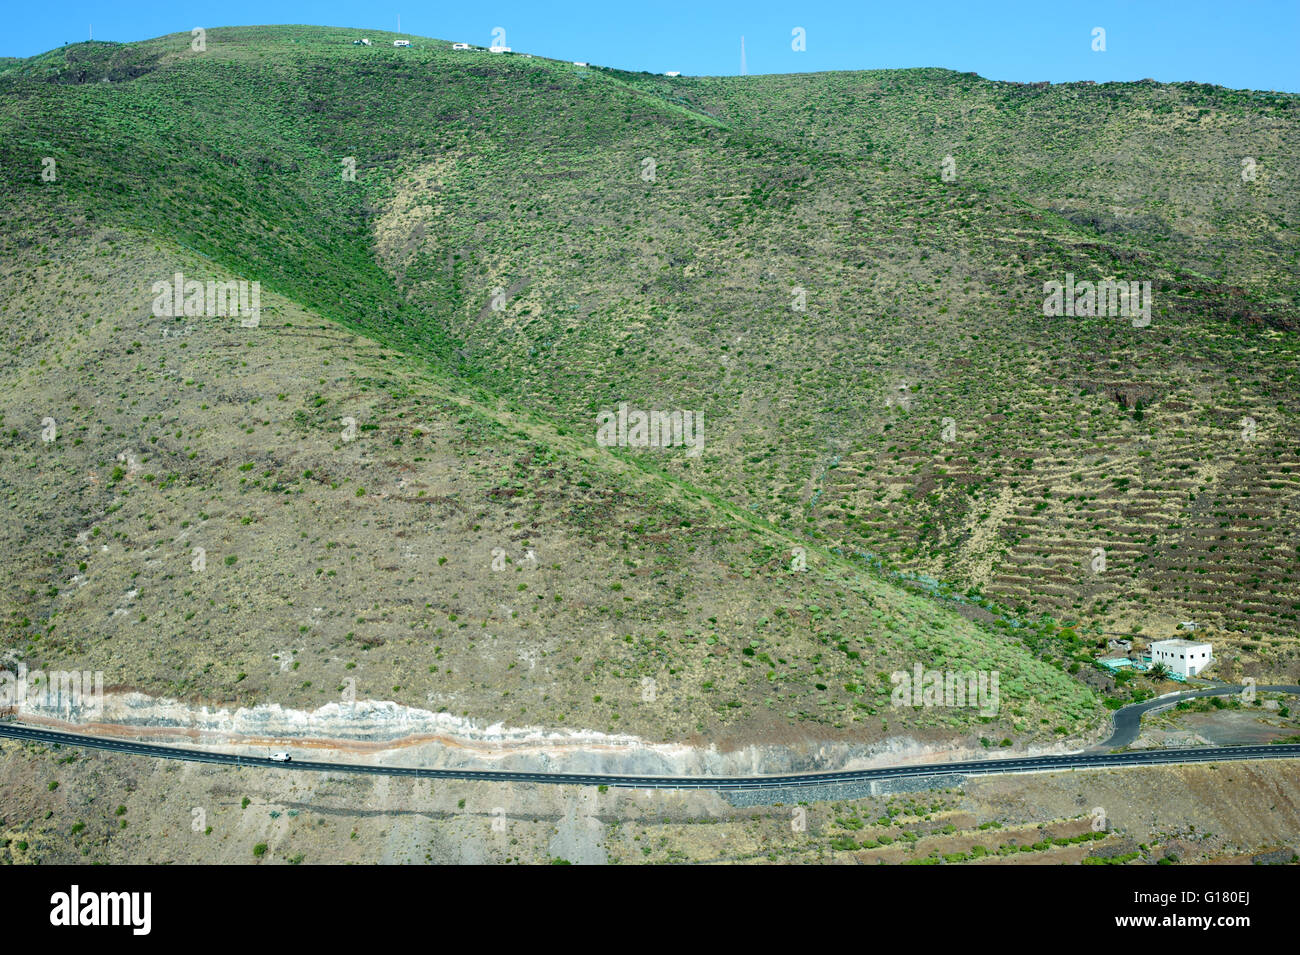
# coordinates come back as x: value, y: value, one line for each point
x: 460, y: 46
x: 500, y: 49
x: 673, y: 73
x: 401, y: 43
x: 580, y: 63
x: 1184, y: 657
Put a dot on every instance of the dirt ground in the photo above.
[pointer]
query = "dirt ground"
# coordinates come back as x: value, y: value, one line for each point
x: 65, y: 806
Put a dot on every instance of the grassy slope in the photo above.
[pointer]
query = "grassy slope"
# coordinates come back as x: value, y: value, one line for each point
x: 372, y: 559
x: 1072, y: 435
x: 1146, y: 164
x: 477, y: 171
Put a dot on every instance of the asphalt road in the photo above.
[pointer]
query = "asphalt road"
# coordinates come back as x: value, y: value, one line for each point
x: 972, y: 768
x: 1128, y: 719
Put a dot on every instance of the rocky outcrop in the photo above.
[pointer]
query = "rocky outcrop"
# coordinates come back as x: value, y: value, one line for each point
x: 394, y: 734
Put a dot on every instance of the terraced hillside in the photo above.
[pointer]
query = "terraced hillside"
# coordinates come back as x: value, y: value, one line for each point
x: 1204, y: 173
x: 920, y: 408
x: 526, y: 244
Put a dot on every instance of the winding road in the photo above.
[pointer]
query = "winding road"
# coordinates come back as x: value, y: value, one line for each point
x: 1127, y: 722
x: 1128, y: 719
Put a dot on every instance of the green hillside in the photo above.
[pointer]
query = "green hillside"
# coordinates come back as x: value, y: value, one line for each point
x: 1146, y: 165
x: 527, y: 243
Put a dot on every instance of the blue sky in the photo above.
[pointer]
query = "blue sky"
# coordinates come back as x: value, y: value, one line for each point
x: 1246, y: 44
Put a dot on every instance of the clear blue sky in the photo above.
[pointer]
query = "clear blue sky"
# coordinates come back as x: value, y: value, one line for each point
x: 1242, y: 44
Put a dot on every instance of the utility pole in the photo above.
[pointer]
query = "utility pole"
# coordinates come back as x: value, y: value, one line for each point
x: 743, y: 71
